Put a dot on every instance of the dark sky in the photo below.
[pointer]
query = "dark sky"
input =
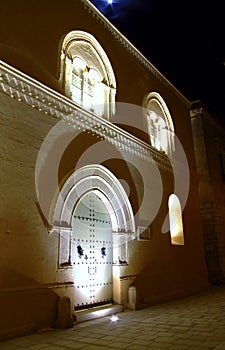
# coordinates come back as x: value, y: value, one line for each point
x: 184, y: 40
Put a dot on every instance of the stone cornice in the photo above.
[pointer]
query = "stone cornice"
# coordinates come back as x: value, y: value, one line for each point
x: 130, y: 47
x: 198, y: 109
x: 27, y: 90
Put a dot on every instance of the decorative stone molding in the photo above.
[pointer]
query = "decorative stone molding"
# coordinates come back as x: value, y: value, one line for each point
x: 196, y: 112
x: 119, y: 37
x: 96, y: 177
x: 129, y: 47
x: 27, y: 90
x: 64, y: 259
x: 105, y: 184
x: 93, y: 56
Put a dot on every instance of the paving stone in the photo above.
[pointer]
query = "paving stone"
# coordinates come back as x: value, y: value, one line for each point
x: 195, y: 323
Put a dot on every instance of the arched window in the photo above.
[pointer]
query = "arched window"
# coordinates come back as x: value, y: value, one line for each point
x: 159, y: 124
x: 86, y: 87
x: 176, y: 222
x: 78, y: 80
x: 87, y: 75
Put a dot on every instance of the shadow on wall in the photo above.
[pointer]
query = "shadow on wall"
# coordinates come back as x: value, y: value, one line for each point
x: 165, y: 280
x: 28, y: 64
x: 25, y: 305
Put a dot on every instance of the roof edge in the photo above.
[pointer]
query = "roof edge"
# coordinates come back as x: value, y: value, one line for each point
x: 130, y: 47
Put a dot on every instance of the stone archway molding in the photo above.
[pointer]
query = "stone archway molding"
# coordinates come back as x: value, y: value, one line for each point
x: 90, y: 178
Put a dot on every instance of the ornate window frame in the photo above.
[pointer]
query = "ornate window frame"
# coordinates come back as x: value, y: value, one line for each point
x: 159, y: 123
x: 83, y: 45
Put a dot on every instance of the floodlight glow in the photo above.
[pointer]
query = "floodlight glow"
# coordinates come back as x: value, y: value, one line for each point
x: 109, y: 1
x: 114, y: 318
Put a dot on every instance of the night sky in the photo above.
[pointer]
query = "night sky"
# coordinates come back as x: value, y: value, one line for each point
x: 184, y: 40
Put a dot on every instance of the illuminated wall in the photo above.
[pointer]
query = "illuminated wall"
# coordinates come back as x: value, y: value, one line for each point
x: 55, y: 149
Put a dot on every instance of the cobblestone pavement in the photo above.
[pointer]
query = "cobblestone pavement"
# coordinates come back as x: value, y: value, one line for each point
x: 195, y: 322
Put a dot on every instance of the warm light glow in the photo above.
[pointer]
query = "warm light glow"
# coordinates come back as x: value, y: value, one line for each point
x: 89, y: 79
x: 176, y: 222
x: 153, y: 116
x: 94, y: 75
x: 114, y: 318
x: 79, y: 63
x: 160, y: 124
x: 108, y: 206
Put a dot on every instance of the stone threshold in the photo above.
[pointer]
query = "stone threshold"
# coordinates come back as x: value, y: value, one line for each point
x: 97, y: 312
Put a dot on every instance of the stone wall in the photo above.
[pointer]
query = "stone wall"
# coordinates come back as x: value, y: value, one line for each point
x: 209, y: 148
x: 27, y: 250
x: 31, y: 281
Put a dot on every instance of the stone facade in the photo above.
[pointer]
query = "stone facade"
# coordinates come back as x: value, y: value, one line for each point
x: 209, y: 146
x: 54, y: 151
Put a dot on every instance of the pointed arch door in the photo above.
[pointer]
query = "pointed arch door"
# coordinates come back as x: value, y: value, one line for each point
x: 92, y: 252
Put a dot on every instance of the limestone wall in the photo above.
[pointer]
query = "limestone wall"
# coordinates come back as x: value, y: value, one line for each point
x: 30, y: 278
x: 209, y: 148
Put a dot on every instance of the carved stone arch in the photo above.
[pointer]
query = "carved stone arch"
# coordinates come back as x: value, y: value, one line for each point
x: 81, y: 36
x: 155, y: 96
x: 84, y: 45
x: 86, y: 179
x: 154, y: 102
x: 89, y: 178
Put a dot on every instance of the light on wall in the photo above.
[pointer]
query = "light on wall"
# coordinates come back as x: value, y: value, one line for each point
x: 176, y: 222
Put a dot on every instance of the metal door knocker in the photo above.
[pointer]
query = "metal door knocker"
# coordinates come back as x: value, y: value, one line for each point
x: 80, y: 251
x: 103, y: 251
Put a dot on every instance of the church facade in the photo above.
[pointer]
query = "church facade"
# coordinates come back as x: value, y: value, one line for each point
x: 99, y: 186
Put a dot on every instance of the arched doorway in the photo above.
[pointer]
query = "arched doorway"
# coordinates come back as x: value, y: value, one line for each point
x: 95, y: 221
x: 92, y: 251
